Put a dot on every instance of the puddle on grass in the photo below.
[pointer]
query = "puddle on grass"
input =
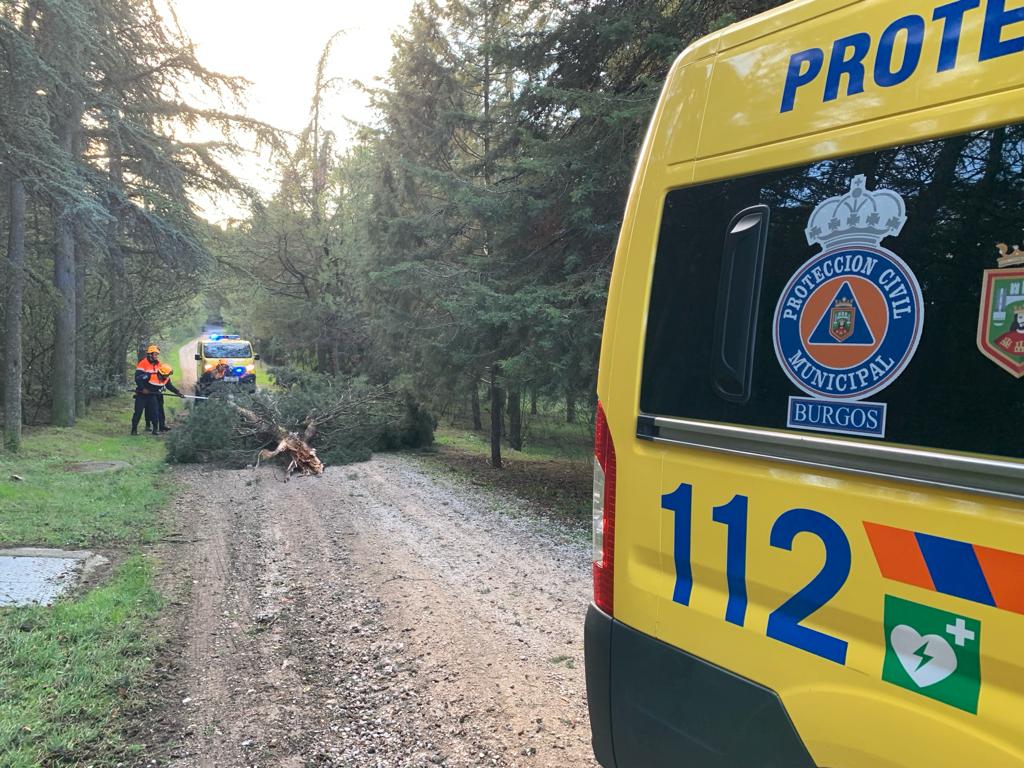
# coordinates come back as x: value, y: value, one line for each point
x: 39, y: 576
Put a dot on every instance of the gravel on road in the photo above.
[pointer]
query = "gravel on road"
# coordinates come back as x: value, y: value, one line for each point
x: 384, y: 615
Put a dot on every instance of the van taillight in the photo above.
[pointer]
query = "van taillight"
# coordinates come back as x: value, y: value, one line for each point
x: 604, y: 513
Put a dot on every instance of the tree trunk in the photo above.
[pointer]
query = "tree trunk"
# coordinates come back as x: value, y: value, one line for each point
x: 322, y: 357
x: 13, y: 303
x: 570, y: 407
x: 496, y: 418
x: 335, y: 356
x: 515, y: 419
x: 15, y: 293
x: 533, y: 402
x: 62, y: 412
x: 81, y: 353
x: 119, y: 336
x: 474, y: 404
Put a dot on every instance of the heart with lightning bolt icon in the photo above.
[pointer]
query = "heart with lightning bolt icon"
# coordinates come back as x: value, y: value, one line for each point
x: 928, y: 660
x: 933, y: 653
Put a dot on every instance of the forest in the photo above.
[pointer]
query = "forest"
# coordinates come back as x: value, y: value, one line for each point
x: 458, y: 249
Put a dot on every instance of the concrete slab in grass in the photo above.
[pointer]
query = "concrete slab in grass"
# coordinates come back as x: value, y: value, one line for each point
x: 31, y: 576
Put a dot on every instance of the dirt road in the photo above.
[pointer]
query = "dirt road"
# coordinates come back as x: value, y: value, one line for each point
x: 382, y: 615
x: 187, y: 368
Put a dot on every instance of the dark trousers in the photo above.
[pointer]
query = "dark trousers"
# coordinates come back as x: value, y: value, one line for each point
x: 145, y: 404
x: 161, y: 416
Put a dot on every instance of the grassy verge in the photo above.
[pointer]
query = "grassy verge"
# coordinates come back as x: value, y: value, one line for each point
x: 545, y: 438
x: 553, y: 470
x: 67, y: 673
x: 52, y: 506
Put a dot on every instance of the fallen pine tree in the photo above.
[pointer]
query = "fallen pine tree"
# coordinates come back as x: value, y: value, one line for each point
x: 313, y: 421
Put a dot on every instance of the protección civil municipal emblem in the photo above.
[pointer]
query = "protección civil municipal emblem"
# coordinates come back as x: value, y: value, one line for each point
x: 849, y: 321
x: 1001, y: 322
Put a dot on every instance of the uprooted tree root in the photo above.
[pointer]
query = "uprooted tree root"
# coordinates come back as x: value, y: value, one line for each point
x: 304, y: 460
x: 265, y: 427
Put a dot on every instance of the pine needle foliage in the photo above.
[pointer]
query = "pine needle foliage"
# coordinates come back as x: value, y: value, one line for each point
x: 466, y: 240
x: 95, y: 135
x: 345, y: 420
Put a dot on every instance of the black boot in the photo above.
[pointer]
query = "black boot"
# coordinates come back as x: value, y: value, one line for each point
x: 135, y: 430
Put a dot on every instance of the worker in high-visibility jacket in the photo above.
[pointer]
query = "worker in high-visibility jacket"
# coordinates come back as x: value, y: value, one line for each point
x: 147, y: 374
x: 163, y: 380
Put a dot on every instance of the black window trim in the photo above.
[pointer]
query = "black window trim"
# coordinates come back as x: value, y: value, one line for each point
x: 729, y: 304
x: 959, y: 472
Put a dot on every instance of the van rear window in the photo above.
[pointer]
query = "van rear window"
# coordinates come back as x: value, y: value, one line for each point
x: 230, y: 350
x: 886, y: 286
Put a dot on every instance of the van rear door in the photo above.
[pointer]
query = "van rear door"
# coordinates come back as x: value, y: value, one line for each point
x: 833, y: 366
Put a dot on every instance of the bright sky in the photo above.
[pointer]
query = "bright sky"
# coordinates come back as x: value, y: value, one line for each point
x: 276, y: 45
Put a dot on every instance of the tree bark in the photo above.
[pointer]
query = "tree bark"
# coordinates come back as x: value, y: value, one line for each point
x: 515, y: 419
x: 62, y: 412
x: 570, y: 407
x: 496, y: 418
x: 15, y: 294
x: 13, y: 303
x: 322, y: 357
x: 474, y: 404
x: 81, y: 354
x: 533, y: 402
x: 119, y: 336
x: 64, y: 366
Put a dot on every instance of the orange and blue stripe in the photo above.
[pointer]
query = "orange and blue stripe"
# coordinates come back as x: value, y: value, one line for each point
x: 969, y: 571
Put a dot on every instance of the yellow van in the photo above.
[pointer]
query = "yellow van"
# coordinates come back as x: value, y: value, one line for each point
x: 225, y: 359
x: 809, y: 476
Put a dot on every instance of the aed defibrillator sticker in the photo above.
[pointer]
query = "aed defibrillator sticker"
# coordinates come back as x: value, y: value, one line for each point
x: 933, y: 653
x: 849, y: 321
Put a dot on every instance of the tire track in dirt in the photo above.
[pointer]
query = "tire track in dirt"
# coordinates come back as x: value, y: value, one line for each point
x: 377, y: 616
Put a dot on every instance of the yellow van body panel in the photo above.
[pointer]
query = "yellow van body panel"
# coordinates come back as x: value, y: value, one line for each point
x: 719, y: 117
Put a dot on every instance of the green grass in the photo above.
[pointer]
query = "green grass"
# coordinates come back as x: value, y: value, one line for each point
x: 546, y: 437
x: 67, y: 673
x: 54, y: 507
x: 553, y: 470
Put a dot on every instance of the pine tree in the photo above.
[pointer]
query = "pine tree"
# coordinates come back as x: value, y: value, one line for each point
x: 16, y: 124
x: 449, y: 152
x: 95, y: 146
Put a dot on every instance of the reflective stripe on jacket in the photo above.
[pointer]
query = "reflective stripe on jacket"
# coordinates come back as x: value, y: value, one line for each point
x: 147, y: 373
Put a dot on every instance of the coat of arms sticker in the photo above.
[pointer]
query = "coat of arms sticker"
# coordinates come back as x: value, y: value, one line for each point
x: 849, y: 321
x: 1001, y: 321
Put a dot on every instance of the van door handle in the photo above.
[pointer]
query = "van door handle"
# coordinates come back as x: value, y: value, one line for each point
x: 739, y: 298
